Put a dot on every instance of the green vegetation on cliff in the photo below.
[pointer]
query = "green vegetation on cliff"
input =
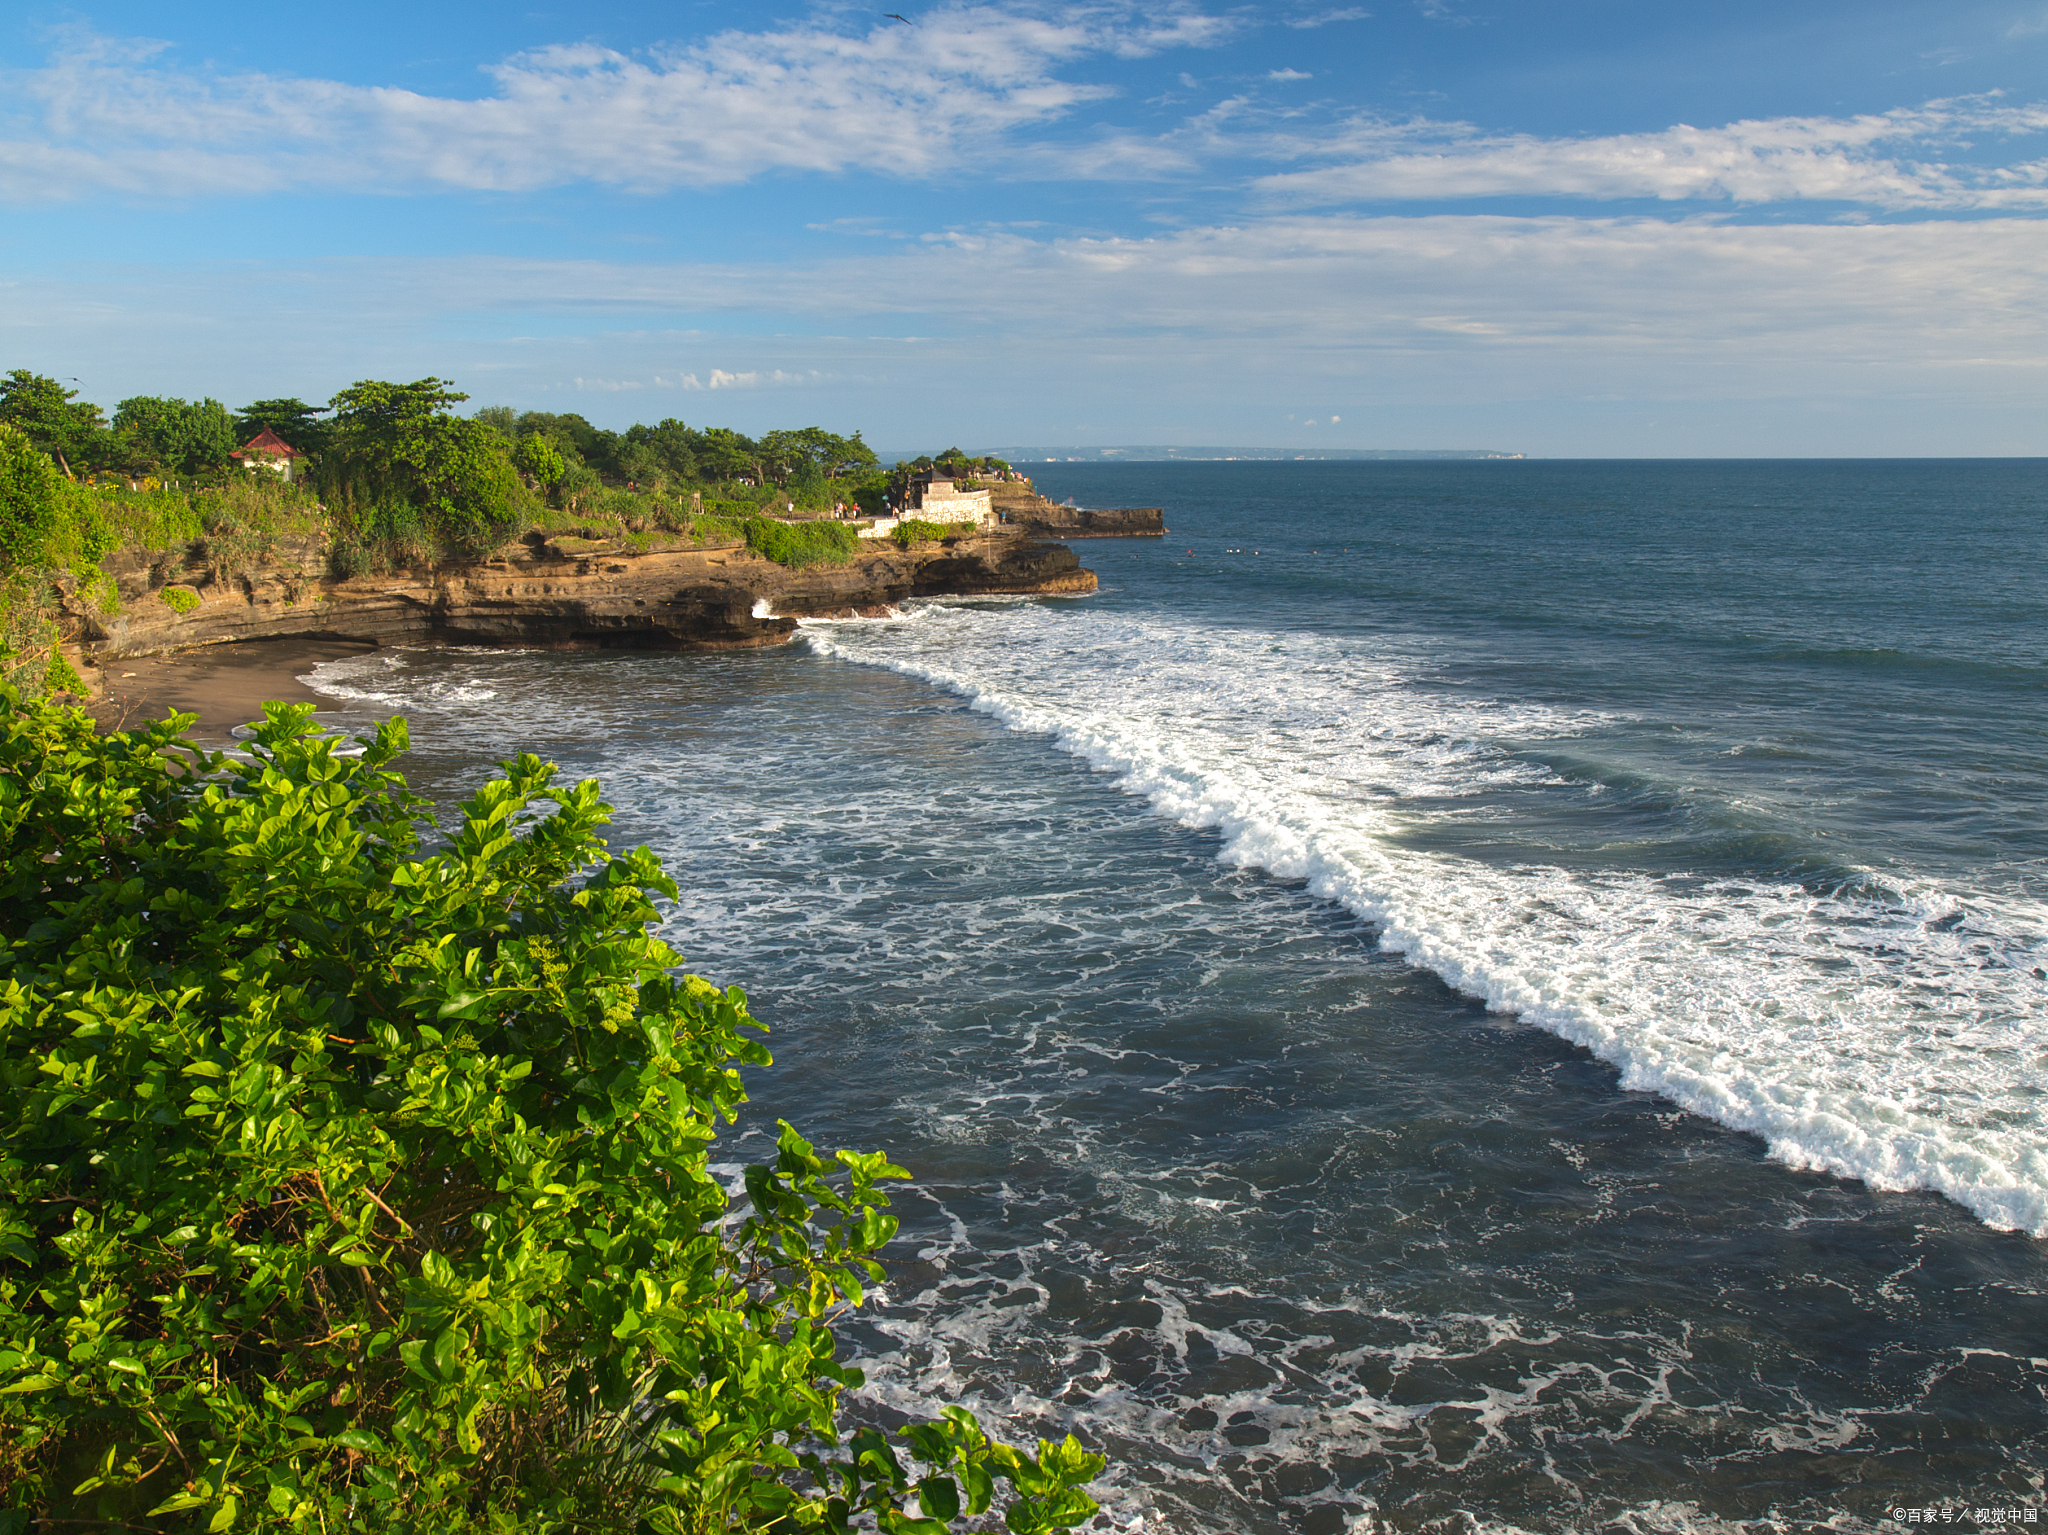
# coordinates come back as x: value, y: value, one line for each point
x: 800, y: 544
x: 915, y: 530
x: 390, y: 476
x: 345, y: 1186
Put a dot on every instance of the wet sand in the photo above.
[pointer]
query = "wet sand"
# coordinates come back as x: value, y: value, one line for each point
x: 225, y: 685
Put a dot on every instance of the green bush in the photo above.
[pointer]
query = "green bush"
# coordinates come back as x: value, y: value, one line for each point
x: 717, y: 530
x: 395, y: 446
x: 32, y: 500
x: 51, y: 530
x: 915, y: 530
x: 345, y: 1188
x: 178, y: 600
x: 145, y: 519
x: 798, y: 544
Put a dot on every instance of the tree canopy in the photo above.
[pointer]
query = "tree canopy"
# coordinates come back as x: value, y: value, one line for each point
x: 171, y: 436
x: 398, y: 446
x: 72, y: 431
x: 292, y: 419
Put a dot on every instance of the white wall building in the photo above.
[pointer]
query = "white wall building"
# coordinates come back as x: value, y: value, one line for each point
x: 939, y: 500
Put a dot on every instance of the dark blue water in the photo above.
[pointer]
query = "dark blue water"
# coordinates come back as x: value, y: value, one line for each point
x: 1499, y: 995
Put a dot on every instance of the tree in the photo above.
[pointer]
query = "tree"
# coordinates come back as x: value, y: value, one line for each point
x: 723, y: 454
x: 812, y: 454
x: 671, y: 444
x: 174, y: 436
x: 292, y: 419
x: 72, y: 431
x: 539, y: 458
x: 569, y: 430
x: 31, y: 502
x: 398, y: 444
x: 346, y: 1188
x: 502, y: 419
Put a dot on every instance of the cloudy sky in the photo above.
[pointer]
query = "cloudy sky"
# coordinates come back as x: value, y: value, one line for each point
x: 1562, y: 227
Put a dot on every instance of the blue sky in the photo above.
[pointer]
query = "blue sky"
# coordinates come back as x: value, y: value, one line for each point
x: 1615, y: 227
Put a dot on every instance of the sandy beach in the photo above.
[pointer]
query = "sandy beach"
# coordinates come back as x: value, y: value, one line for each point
x: 225, y: 685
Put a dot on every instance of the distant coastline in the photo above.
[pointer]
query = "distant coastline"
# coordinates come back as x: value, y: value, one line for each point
x: 1156, y: 454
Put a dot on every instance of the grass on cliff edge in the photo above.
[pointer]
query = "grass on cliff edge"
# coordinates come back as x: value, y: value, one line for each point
x: 348, y: 1188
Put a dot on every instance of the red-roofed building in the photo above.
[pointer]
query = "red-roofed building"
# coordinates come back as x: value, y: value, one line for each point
x: 267, y: 450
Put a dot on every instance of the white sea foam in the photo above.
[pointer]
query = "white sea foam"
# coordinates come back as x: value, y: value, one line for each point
x: 1896, y: 1040
x: 383, y: 679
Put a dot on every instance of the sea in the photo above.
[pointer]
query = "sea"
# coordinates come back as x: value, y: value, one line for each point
x: 1447, y: 996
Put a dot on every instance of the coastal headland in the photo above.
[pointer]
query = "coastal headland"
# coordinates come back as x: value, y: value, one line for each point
x: 558, y: 589
x: 1023, y: 508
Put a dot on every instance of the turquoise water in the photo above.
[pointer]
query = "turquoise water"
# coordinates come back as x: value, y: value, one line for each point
x: 1501, y: 995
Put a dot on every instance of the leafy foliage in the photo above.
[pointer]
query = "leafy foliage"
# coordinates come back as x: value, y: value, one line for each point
x: 718, y: 530
x: 51, y: 529
x: 344, y: 1187
x: 798, y: 544
x: 292, y: 419
x: 72, y: 431
x: 174, y: 436
x: 32, y: 498
x: 538, y: 457
x: 396, y: 447
x: 811, y: 454
x: 915, y: 530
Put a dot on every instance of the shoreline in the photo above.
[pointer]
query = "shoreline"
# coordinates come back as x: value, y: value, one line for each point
x: 224, y: 685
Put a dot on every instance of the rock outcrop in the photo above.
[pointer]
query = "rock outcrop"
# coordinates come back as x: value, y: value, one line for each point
x: 646, y: 593
x: 1023, y: 508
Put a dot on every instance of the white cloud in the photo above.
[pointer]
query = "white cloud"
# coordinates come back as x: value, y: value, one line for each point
x: 1927, y: 336
x: 970, y: 82
x: 1883, y: 160
x: 114, y: 116
x: 1323, y: 19
x: 1900, y: 296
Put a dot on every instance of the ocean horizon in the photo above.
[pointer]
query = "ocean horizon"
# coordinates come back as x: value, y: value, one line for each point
x: 1450, y: 994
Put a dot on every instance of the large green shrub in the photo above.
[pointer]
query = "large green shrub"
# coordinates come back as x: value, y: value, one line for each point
x: 915, y: 530
x: 51, y: 529
x: 348, y: 1188
x: 798, y: 544
x: 398, y: 446
x: 32, y: 498
x: 174, y: 436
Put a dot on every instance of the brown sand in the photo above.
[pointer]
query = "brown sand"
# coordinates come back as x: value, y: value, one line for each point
x: 225, y: 685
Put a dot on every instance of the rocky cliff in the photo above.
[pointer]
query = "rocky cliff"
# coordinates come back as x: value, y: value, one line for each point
x: 553, y: 591
x: 1023, y: 508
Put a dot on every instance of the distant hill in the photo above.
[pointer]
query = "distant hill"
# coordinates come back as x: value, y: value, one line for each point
x: 1161, y: 455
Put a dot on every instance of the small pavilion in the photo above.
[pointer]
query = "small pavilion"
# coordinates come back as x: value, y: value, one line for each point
x: 269, y: 451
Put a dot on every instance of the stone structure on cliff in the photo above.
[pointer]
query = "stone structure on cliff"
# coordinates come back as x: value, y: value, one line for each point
x: 936, y: 498
x: 1020, y: 506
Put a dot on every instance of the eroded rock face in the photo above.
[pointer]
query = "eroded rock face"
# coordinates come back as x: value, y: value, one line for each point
x: 1030, y: 513
x: 559, y: 591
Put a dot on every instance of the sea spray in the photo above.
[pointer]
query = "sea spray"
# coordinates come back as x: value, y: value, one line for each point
x: 1893, y: 1041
